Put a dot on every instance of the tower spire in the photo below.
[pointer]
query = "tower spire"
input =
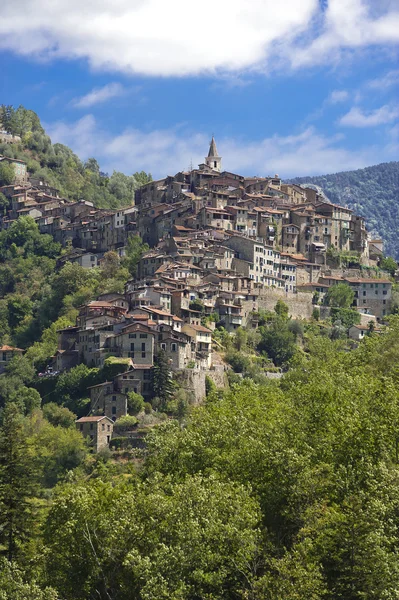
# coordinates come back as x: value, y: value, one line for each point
x: 213, y: 160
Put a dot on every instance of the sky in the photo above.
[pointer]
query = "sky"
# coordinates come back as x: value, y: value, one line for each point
x: 295, y: 87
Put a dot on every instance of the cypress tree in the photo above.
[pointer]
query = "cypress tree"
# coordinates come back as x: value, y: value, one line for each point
x: 18, y: 482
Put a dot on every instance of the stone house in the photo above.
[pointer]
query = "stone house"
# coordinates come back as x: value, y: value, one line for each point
x: 98, y: 430
x: 7, y: 353
x: 371, y: 294
x: 135, y: 341
x: 201, y: 344
x: 108, y: 400
x: 19, y: 168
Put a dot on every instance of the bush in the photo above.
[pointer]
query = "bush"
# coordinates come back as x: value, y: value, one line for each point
x: 210, y: 385
x: 316, y: 314
x: 126, y: 422
x: 147, y: 408
x: 238, y: 361
x: 117, y: 443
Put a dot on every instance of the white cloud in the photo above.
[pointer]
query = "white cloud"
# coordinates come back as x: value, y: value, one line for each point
x: 386, y: 81
x: 380, y: 116
x: 166, y: 151
x: 350, y: 24
x: 179, y: 38
x: 99, y: 95
x: 338, y: 96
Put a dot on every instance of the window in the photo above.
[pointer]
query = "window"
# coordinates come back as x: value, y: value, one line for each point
x: 364, y: 293
x: 81, y: 427
x: 143, y: 336
x: 132, y: 347
x: 384, y: 293
x: 114, y: 410
x: 92, y: 437
x: 132, y: 336
x: 108, y: 438
x: 113, y: 398
x: 143, y: 347
x: 384, y: 301
x: 143, y: 355
x: 91, y: 425
x: 163, y: 346
x: 103, y: 427
x: 108, y: 427
x: 173, y: 347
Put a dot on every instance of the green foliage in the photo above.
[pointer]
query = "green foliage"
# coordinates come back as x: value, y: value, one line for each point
x: 59, y: 415
x: 210, y: 386
x: 197, y: 305
x: 7, y: 173
x: 134, y: 251
x: 281, y: 309
x: 135, y: 403
x: 18, y: 482
x: 126, y: 422
x: 389, y: 264
x: 316, y: 313
x: 278, y: 342
x: 15, y: 585
x: 193, y: 539
x: 162, y: 379
x: 57, y: 449
x: 72, y: 387
x: 371, y: 192
x: 346, y: 316
x: 340, y: 295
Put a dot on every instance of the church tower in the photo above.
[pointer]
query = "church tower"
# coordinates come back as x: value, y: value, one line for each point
x: 213, y: 160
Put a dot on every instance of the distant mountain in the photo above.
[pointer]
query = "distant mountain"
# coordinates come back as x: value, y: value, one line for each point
x: 372, y: 192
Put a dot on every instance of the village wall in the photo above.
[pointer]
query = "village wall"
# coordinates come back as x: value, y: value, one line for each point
x: 299, y: 304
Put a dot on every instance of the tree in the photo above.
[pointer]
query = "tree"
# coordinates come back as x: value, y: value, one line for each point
x: 13, y: 584
x: 142, y: 177
x: 92, y: 165
x: 135, y: 403
x: 18, y: 482
x: 59, y: 415
x: 194, y: 539
x: 389, y: 264
x: 110, y: 264
x: 281, y: 309
x: 4, y: 203
x: 340, y: 295
x: 278, y: 342
x: 7, y: 173
x: 162, y: 383
x: 134, y: 251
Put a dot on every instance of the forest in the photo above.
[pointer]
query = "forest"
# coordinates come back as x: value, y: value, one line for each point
x: 372, y: 192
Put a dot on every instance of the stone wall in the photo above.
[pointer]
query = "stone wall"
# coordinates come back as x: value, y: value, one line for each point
x: 300, y: 304
x: 193, y: 382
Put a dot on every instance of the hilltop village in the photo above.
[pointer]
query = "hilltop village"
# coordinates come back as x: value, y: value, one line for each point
x: 222, y: 247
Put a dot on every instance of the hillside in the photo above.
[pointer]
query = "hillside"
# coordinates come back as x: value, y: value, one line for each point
x: 372, y: 192
x: 61, y: 167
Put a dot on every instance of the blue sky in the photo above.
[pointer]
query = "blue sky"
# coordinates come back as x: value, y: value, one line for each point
x: 298, y: 87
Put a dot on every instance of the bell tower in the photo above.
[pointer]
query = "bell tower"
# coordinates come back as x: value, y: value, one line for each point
x: 213, y: 160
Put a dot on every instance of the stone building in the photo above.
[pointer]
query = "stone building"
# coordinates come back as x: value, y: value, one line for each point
x: 97, y: 429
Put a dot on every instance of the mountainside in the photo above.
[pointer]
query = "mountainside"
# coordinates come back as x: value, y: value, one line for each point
x: 60, y: 166
x: 372, y: 192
